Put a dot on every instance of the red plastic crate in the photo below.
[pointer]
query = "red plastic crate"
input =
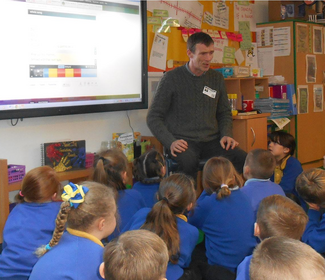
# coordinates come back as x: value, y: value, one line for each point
x: 15, y: 172
x: 90, y: 157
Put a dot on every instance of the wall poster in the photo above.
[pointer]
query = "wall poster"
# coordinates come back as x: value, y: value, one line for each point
x: 303, y: 97
x: 317, y: 39
x: 311, y: 68
x: 302, y: 38
x: 318, y: 98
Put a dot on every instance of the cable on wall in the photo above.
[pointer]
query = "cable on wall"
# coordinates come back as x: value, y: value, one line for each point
x: 15, y: 123
x: 127, y: 114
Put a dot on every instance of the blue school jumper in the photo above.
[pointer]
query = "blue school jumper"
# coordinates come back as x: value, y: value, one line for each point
x: 188, y: 238
x: 128, y: 203
x: 314, y: 234
x: 29, y: 225
x: 148, y: 192
x: 243, y: 269
x: 77, y: 256
x: 257, y: 189
x: 288, y: 182
x: 228, y: 225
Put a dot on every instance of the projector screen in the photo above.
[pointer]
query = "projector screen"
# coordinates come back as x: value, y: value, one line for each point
x: 71, y: 57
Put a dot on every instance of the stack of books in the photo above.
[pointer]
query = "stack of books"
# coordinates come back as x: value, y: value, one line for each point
x: 285, y: 91
x: 279, y: 108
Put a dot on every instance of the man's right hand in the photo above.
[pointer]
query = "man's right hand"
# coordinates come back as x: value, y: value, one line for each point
x: 178, y: 146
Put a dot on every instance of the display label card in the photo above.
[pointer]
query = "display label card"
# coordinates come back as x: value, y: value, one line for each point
x: 160, y: 13
x: 209, y: 92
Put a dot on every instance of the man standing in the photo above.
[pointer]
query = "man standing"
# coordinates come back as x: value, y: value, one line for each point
x: 190, y: 114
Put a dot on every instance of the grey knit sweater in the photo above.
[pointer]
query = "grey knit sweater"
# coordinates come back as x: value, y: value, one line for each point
x: 180, y: 110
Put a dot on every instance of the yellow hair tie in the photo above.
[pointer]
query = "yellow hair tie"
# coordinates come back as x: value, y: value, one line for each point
x: 75, y: 194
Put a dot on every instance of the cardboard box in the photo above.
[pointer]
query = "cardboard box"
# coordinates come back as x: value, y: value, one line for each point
x: 227, y: 72
x: 241, y: 71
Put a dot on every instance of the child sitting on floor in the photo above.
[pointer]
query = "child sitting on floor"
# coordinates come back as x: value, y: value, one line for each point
x: 149, y: 169
x: 30, y: 224
x: 311, y: 187
x: 137, y: 255
x: 258, y: 168
x: 111, y: 170
x: 277, y: 215
x: 176, y: 196
x: 282, y: 145
x: 225, y: 215
x: 282, y: 258
x: 89, y: 210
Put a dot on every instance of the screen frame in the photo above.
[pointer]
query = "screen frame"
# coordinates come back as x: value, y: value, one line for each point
x: 98, y: 108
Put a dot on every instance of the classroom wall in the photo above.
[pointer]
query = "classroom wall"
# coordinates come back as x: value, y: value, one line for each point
x: 20, y: 144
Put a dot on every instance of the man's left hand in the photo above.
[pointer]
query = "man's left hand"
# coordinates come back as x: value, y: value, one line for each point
x: 227, y: 142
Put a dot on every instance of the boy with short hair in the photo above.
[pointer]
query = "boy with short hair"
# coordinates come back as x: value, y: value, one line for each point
x: 310, y: 186
x: 258, y: 168
x: 279, y: 258
x: 137, y: 255
x: 277, y: 215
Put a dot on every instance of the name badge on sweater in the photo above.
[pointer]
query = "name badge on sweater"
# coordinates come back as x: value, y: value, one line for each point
x: 209, y: 92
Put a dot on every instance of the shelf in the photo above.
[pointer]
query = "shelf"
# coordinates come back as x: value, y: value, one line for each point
x: 274, y: 8
x: 75, y: 175
x: 63, y: 176
x: 250, y: 131
x: 257, y: 116
x: 245, y: 88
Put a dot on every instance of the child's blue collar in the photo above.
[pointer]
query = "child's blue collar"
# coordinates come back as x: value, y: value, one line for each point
x: 255, y: 179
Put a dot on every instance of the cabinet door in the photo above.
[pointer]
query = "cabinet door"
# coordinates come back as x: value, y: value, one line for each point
x: 251, y: 133
x: 256, y: 134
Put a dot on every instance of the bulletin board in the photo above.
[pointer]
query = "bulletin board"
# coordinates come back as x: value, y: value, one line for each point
x: 226, y: 22
x: 294, y: 68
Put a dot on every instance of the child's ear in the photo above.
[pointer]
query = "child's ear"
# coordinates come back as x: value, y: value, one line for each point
x: 163, y: 171
x: 313, y: 206
x: 54, y: 197
x: 101, y: 270
x: 286, y: 150
x: 101, y: 223
x: 189, y: 207
x: 124, y: 177
x: 257, y: 231
x: 246, y: 171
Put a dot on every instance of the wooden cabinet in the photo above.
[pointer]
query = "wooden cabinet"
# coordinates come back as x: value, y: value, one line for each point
x: 251, y: 131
